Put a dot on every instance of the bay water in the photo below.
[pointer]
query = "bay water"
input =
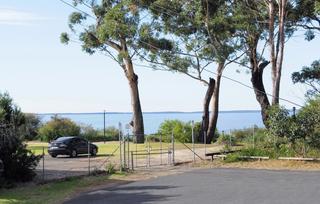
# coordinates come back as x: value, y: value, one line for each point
x: 227, y: 121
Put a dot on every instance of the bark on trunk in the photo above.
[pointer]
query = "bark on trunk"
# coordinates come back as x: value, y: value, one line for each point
x: 215, y: 106
x: 261, y: 96
x: 279, y: 52
x: 205, y: 114
x: 257, y: 79
x: 137, y: 117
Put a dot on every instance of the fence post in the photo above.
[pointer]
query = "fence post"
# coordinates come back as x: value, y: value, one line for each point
x: 89, y: 158
x: 120, y: 147
x: 136, y: 150
x: 43, y: 164
x: 148, y: 150
x: 128, y: 151
x: 253, y: 137
x: 169, y: 152
x: 192, y: 127
x: 172, y: 141
x: 132, y: 166
x: 205, y: 142
x: 160, y: 149
x: 124, y: 152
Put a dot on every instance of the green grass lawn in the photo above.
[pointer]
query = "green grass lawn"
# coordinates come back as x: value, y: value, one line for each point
x: 54, y: 192
x: 112, y: 147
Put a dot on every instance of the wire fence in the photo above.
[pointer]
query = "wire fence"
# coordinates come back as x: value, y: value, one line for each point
x: 124, y: 154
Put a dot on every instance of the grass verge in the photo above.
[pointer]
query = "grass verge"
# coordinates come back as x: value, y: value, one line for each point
x: 54, y: 192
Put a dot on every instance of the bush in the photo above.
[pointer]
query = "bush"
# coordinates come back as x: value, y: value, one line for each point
x: 19, y: 163
x: 58, y: 127
x: 246, y: 134
x: 110, y: 168
x: 182, y: 131
x: 224, y: 139
x: 32, y: 125
x: 93, y: 135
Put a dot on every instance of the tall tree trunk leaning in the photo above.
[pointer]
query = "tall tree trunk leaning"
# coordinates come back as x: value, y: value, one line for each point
x: 215, y: 106
x: 206, y: 112
x: 257, y: 79
x: 137, y: 117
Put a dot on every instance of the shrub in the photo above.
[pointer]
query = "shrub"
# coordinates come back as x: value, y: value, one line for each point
x: 32, y: 125
x: 225, y: 139
x: 182, y: 131
x: 19, y: 163
x: 58, y: 127
x: 235, y: 157
x: 246, y: 134
x: 110, y: 168
x: 93, y: 135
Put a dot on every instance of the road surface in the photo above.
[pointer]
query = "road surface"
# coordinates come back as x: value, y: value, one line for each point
x: 207, y: 186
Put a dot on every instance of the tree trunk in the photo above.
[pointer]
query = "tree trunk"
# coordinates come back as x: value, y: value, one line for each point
x: 257, y: 79
x: 271, y: 42
x: 205, y: 114
x: 137, y: 118
x: 215, y: 106
x: 261, y: 96
x: 279, y: 53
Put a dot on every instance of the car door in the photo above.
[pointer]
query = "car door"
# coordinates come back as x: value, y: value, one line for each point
x: 83, y: 146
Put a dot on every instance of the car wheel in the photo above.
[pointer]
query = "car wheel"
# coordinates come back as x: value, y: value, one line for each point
x: 53, y: 155
x: 73, y: 153
x: 94, y: 152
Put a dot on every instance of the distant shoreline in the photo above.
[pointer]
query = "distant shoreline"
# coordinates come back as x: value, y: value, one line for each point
x: 160, y: 112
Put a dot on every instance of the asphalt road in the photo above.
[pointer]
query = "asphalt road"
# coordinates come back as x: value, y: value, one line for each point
x: 214, y: 186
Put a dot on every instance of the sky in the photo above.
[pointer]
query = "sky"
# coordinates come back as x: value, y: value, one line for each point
x: 44, y: 76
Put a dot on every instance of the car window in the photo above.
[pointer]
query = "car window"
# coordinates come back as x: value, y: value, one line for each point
x: 75, y: 141
x: 82, y: 141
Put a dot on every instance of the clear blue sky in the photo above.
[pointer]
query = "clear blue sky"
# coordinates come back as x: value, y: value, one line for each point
x: 42, y: 75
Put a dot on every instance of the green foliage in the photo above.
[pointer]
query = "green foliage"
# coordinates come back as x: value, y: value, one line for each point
x: 93, y: 135
x: 246, y: 134
x: 309, y: 76
x: 303, y: 128
x: 58, y: 127
x: 182, y: 131
x: 32, y: 125
x: 110, y: 168
x: 279, y: 122
x: 64, y: 38
x: 232, y: 158
x: 19, y: 163
x: 226, y: 139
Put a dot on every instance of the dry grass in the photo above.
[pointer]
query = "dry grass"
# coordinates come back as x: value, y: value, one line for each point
x: 269, y: 164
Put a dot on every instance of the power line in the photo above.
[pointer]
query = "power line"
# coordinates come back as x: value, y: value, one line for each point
x: 187, y: 54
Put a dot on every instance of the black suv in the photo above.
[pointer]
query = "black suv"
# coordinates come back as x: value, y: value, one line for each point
x: 71, y: 146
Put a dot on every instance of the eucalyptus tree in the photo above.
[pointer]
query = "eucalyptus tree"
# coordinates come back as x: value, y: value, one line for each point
x: 111, y: 27
x: 270, y: 23
x: 188, y: 37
